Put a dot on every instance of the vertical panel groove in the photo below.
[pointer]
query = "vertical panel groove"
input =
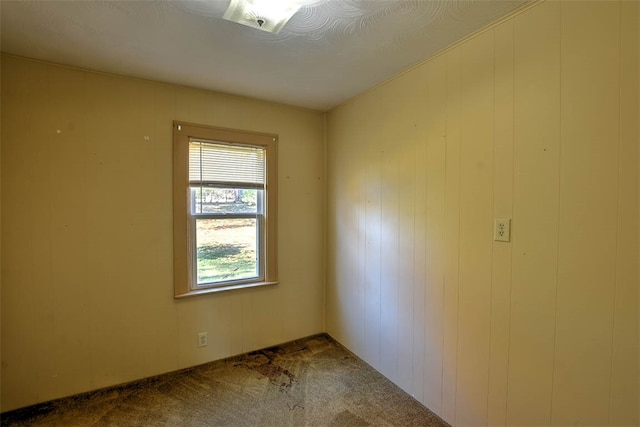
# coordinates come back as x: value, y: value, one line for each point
x: 555, y: 315
x: 444, y: 215
x: 493, y: 204
x: 455, y: 401
x: 444, y: 211
x: 425, y: 282
x: 615, y: 271
x: 513, y: 178
x: 381, y: 284
x: 514, y: 226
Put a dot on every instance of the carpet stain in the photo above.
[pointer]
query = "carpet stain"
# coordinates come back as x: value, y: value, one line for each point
x: 347, y: 418
x: 296, y: 406
x: 276, y: 374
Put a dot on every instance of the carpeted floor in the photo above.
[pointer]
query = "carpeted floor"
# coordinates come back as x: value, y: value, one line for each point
x: 312, y: 381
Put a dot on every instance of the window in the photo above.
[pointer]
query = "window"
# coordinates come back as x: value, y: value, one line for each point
x: 224, y: 199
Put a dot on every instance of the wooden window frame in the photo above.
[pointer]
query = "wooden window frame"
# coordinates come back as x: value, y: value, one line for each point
x: 183, y: 253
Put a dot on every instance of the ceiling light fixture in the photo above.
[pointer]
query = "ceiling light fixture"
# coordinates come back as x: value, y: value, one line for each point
x: 265, y: 15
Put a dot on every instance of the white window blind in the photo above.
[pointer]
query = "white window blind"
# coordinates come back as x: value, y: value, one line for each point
x: 213, y: 163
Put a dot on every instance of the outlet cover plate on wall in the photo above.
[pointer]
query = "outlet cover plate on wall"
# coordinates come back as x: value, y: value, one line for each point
x: 502, y: 230
x: 202, y: 339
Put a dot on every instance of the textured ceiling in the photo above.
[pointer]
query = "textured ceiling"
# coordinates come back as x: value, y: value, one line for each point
x: 330, y: 50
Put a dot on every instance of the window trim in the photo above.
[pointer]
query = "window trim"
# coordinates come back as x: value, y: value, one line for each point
x: 183, y: 255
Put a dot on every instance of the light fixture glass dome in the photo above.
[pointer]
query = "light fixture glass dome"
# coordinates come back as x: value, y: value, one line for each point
x: 265, y: 15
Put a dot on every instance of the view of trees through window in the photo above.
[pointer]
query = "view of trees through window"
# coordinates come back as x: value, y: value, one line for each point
x: 226, y: 244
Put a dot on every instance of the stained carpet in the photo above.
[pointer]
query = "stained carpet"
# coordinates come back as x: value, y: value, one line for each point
x: 312, y: 381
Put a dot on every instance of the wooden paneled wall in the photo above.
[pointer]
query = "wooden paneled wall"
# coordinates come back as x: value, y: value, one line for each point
x: 87, y: 291
x: 535, y: 119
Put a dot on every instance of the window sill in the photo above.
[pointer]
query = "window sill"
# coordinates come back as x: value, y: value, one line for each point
x: 224, y: 288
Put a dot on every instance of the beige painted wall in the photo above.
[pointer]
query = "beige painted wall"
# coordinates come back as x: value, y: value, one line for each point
x: 87, y: 296
x: 535, y: 119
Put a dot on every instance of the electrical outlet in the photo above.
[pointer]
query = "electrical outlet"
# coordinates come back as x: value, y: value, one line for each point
x: 502, y: 230
x: 202, y: 339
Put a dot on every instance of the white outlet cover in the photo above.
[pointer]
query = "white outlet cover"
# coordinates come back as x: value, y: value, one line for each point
x: 502, y: 230
x: 202, y: 339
